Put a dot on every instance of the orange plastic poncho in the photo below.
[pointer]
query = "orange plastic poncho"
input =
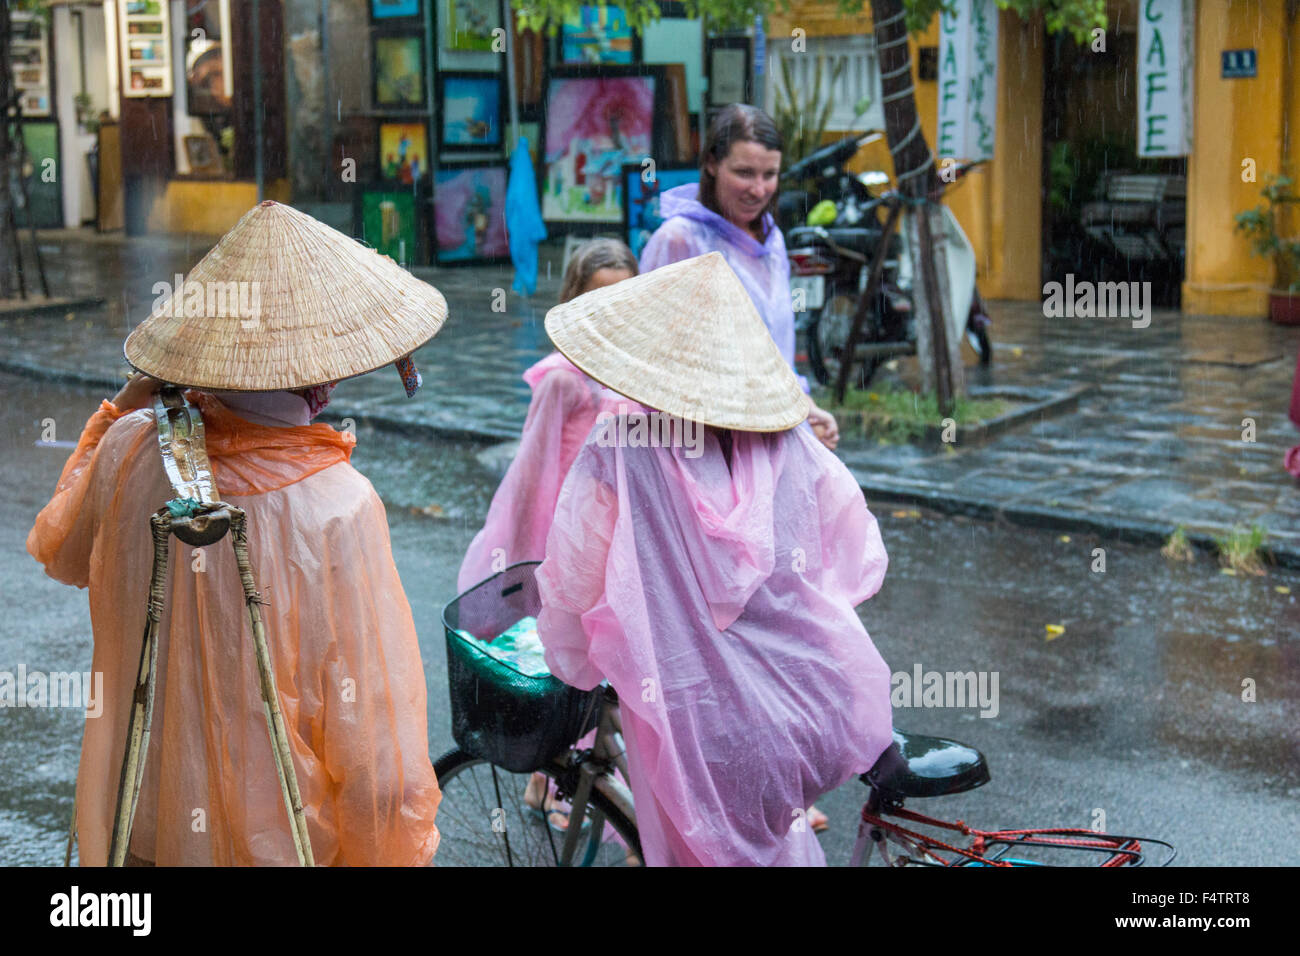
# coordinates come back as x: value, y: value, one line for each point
x: 339, y: 629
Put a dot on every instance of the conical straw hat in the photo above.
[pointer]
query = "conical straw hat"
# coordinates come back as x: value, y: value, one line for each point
x: 285, y: 302
x: 684, y: 339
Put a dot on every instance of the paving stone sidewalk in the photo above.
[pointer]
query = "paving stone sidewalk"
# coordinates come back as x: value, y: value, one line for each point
x: 1158, y: 442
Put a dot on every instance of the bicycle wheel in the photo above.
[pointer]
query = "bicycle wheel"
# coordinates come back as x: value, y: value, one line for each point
x: 484, y: 821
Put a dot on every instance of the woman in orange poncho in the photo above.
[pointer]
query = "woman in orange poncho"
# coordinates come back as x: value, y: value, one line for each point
x: 339, y: 629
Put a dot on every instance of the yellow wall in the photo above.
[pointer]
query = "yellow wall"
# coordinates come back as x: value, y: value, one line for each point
x: 208, y: 207
x: 1234, y: 120
x: 998, y: 206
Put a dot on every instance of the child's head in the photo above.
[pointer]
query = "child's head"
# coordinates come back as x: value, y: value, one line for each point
x: 596, y: 264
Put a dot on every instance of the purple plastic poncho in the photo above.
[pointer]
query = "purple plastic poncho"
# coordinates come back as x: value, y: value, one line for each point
x: 690, y: 229
x: 720, y: 605
x: 563, y: 409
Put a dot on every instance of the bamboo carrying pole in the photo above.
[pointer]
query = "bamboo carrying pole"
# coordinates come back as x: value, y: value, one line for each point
x: 137, y: 744
x: 165, y: 522
x: 270, y: 699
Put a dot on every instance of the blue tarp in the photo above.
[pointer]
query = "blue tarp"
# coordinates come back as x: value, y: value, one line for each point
x: 523, y: 219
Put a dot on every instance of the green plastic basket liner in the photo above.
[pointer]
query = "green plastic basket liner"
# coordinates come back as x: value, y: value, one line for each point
x: 506, y: 706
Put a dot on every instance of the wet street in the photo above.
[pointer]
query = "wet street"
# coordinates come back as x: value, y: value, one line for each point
x: 1119, y: 691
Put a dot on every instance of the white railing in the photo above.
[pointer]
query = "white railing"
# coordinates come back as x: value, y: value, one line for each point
x: 860, y: 77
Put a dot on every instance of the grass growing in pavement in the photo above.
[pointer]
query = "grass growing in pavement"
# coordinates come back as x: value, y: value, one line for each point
x: 897, y: 415
x: 1242, y: 549
x: 1177, y: 547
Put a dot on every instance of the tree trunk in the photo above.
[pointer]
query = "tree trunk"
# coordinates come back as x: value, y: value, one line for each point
x: 916, y: 176
x: 8, y: 241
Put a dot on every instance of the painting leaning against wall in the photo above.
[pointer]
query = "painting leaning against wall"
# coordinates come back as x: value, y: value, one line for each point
x: 594, y: 124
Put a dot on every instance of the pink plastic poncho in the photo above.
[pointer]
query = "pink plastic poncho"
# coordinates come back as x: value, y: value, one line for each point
x: 339, y: 630
x: 563, y: 410
x: 690, y: 229
x: 720, y: 606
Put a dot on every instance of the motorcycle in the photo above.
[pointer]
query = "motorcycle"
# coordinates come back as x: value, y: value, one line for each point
x: 830, y: 262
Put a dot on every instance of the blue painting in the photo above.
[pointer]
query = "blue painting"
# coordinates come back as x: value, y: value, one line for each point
x: 641, y: 201
x: 471, y: 111
x: 392, y: 9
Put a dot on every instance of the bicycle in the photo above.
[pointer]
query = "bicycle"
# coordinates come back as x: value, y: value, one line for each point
x: 484, y: 819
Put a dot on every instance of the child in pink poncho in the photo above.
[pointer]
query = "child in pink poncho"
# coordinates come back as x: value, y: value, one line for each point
x: 562, y: 412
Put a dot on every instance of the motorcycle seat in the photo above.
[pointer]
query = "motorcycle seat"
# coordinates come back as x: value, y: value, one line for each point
x: 858, y: 240
x: 918, y: 766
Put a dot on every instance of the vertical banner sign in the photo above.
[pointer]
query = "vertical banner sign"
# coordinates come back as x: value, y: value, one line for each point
x: 983, y: 62
x: 1164, y: 80
x: 954, y: 72
x: 968, y: 65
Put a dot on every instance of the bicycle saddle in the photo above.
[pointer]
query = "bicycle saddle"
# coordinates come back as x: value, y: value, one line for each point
x: 919, y: 766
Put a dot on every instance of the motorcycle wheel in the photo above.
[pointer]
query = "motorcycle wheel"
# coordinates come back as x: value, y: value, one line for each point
x: 828, y: 330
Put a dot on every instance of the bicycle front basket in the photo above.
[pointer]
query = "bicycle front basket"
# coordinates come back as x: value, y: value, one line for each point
x: 499, y: 713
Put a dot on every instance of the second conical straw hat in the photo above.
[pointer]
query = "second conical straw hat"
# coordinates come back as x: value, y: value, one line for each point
x: 283, y: 302
x: 684, y: 339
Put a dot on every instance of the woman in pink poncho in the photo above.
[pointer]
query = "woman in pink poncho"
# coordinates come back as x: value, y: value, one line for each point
x: 713, y: 584
x: 730, y: 211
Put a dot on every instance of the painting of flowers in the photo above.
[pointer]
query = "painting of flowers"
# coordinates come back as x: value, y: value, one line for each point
x: 594, y: 124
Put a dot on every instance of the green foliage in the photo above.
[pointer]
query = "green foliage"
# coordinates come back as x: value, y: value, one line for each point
x: 1077, y: 17
x: 1242, y: 549
x: 1261, y: 226
x: 1177, y: 547
x: 894, y: 415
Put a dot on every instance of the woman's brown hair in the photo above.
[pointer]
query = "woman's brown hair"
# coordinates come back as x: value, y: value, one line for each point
x: 589, y: 258
x: 736, y: 123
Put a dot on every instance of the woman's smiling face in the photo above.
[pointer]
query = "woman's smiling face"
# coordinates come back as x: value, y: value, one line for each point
x: 745, y: 181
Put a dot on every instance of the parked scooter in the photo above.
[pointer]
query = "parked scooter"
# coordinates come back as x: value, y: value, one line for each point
x: 830, y: 262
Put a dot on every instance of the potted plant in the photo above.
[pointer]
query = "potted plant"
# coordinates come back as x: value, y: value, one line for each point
x: 1261, y: 225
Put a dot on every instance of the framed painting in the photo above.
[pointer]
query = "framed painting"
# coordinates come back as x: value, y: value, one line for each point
x: 204, y: 156
x: 403, y: 152
x: 397, y: 68
x: 596, y: 35
x: 641, y: 198
x: 469, y: 111
x: 395, y: 12
x: 470, y: 24
x: 595, y: 121
x: 387, y: 218
x: 44, y: 191
x: 727, y: 61
x: 469, y: 216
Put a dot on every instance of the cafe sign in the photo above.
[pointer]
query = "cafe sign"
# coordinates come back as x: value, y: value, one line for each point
x: 968, y: 80
x: 1164, y: 77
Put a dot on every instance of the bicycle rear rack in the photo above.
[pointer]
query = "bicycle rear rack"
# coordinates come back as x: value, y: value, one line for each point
x: 990, y: 847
